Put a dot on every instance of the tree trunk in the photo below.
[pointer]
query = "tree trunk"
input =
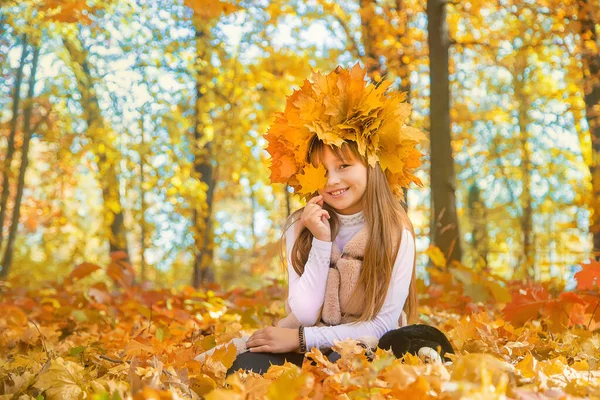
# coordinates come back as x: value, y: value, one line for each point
x: 142, y: 155
x: 253, y: 209
x: 27, y: 132
x: 478, y: 216
x: 591, y: 84
x: 371, y: 58
x: 446, y: 233
x: 525, y: 268
x: 102, y: 138
x: 10, y: 148
x: 203, y: 271
x: 202, y: 217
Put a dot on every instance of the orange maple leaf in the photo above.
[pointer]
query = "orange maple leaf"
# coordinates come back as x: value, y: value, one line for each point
x: 566, y: 311
x: 83, y: 270
x: 120, y: 270
x: 526, y: 304
x: 589, y: 277
x: 68, y: 11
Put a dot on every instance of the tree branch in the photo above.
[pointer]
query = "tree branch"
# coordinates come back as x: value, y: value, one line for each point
x: 349, y: 35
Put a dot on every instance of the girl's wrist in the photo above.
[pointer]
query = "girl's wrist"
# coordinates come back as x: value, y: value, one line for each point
x: 301, y: 340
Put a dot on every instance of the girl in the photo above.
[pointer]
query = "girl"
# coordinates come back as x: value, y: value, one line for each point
x: 351, y: 249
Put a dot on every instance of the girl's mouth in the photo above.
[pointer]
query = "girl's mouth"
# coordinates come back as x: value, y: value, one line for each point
x: 338, y: 193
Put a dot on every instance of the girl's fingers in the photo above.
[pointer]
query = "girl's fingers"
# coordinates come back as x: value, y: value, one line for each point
x: 261, y: 349
x: 310, y: 208
x: 318, y: 216
x: 255, y: 343
x: 252, y: 339
x: 313, y: 210
x: 256, y: 334
x: 314, y: 199
x: 323, y: 214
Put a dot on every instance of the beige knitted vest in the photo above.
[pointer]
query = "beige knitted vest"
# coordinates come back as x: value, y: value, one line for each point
x: 344, y: 296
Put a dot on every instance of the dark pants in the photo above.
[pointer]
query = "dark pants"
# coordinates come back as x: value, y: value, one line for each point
x: 260, y: 362
x: 408, y: 339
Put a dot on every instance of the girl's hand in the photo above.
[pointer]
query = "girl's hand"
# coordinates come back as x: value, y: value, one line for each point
x: 274, y: 340
x: 316, y: 219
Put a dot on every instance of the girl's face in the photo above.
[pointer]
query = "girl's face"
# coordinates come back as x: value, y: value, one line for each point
x: 346, y: 183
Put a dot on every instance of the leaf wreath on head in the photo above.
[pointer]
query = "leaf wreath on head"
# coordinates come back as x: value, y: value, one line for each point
x: 337, y: 108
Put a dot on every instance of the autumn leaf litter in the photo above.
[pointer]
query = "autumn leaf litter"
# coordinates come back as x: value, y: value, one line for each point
x: 106, y: 342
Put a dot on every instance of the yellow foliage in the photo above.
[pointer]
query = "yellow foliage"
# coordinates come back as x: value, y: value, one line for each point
x: 312, y: 179
x: 436, y: 256
x: 341, y: 107
x: 209, y: 9
x: 63, y: 379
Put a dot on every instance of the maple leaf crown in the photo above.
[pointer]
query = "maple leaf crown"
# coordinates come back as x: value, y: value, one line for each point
x: 337, y: 108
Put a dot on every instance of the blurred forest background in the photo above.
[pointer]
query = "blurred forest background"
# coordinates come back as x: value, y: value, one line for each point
x: 134, y: 128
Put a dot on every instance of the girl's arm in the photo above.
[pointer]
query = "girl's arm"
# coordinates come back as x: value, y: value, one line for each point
x: 387, y: 318
x: 307, y: 292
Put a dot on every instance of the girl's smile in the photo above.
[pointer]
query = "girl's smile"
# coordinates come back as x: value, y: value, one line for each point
x: 338, y: 193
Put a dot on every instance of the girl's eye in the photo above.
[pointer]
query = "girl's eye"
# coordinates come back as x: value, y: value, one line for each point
x: 344, y: 166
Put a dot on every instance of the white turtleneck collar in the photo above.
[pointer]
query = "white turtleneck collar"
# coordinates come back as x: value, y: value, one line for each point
x: 351, y: 219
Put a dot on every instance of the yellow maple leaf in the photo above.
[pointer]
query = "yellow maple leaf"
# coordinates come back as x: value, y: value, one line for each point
x: 224, y: 394
x: 418, y: 389
x: 581, y: 365
x: 527, y: 366
x: 391, y: 161
x: 208, y: 9
x: 436, y: 256
x: 202, y: 384
x: 312, y: 179
x: 292, y: 384
x: 482, y: 369
x: 226, y: 354
x: 555, y: 366
x: 63, y: 380
x: 326, y: 133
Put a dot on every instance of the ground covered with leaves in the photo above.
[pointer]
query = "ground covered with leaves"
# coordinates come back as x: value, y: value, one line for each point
x: 117, y: 340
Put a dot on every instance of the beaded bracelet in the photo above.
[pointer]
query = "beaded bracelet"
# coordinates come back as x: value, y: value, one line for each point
x: 301, y: 339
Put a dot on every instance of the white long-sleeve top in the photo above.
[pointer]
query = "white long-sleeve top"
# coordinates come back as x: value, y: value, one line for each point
x: 307, y: 292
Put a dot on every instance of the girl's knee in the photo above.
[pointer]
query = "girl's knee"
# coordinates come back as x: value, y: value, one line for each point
x: 244, y: 361
x: 260, y: 362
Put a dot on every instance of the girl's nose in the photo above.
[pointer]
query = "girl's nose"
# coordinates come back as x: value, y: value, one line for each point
x: 332, y: 179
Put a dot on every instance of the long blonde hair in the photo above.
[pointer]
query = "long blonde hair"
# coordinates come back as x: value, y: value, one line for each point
x: 383, y: 215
